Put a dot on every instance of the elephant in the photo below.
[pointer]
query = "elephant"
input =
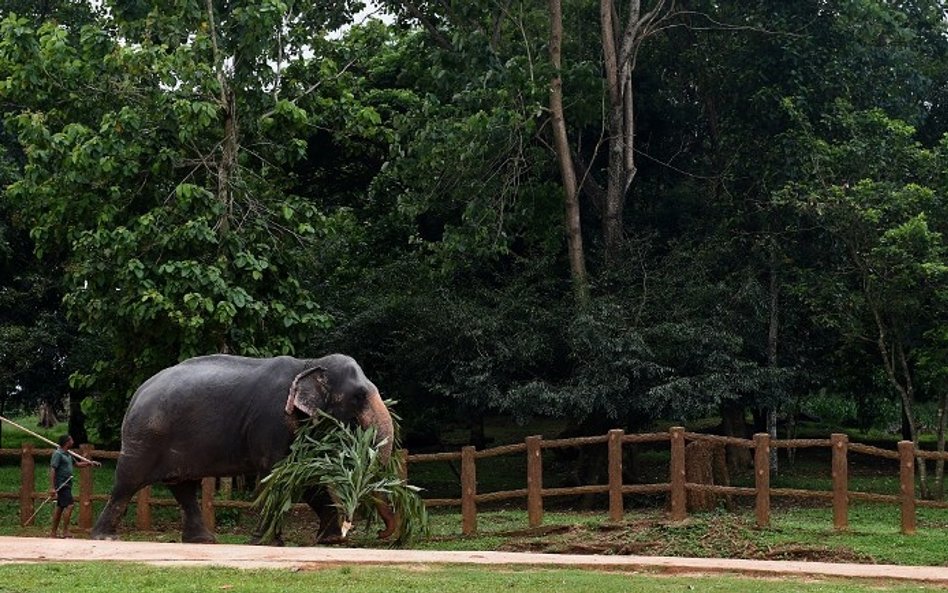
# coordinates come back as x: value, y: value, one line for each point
x: 224, y: 415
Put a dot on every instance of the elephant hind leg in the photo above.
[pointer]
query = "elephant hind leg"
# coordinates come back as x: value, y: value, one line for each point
x: 125, y: 487
x: 194, y: 530
x: 106, y: 526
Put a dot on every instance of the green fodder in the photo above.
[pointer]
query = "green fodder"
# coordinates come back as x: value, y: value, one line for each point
x: 345, y: 463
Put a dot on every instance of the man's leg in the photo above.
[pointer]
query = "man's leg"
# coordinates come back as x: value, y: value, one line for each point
x: 57, y: 513
x: 67, y: 513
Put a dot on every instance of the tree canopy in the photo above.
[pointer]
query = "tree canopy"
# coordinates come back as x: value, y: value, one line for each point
x: 609, y: 212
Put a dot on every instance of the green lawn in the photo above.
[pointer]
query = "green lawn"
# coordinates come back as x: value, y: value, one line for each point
x: 120, y: 578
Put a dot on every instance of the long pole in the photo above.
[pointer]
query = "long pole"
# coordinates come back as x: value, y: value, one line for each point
x: 48, y: 498
x: 46, y: 440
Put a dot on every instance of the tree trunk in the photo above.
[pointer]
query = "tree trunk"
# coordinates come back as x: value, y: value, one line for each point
x: 733, y: 424
x: 900, y: 377
x: 620, y: 46
x: 47, y: 415
x: 618, y: 73
x: 77, y: 420
x: 227, y: 165
x: 772, y: 335
x: 477, y: 436
x: 939, y: 489
x: 577, y: 258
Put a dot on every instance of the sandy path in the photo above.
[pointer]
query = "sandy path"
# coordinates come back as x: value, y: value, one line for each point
x: 27, y: 549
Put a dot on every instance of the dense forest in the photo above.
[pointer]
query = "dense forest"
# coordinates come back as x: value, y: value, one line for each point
x: 606, y: 212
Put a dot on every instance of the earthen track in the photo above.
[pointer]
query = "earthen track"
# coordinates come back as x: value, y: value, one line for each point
x: 33, y: 550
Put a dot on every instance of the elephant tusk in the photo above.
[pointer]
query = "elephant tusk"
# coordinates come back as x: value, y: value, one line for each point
x: 346, y: 528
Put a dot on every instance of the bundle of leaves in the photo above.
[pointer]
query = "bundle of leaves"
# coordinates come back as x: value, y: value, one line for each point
x: 346, y: 463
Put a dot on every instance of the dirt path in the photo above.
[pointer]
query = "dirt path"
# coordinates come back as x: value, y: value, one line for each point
x: 29, y: 550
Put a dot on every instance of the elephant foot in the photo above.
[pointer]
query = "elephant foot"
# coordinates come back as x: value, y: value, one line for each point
x: 330, y: 540
x: 110, y: 537
x: 205, y: 537
x: 258, y: 541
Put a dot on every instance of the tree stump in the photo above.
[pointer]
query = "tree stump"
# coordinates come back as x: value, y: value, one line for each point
x: 47, y: 415
x: 706, y: 463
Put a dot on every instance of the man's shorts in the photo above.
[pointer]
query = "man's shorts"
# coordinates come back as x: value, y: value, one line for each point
x: 64, y: 497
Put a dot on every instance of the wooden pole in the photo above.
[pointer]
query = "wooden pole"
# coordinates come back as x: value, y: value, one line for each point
x: 840, y: 445
x: 679, y: 497
x: 907, y: 485
x: 762, y: 477
x: 85, y: 490
x: 403, y: 464
x: 143, y: 509
x: 27, y: 483
x: 616, y: 510
x: 207, y: 502
x: 46, y: 440
x: 468, y: 491
x: 534, y: 481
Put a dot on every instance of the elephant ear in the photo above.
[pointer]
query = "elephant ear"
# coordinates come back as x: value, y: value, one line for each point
x: 309, y: 392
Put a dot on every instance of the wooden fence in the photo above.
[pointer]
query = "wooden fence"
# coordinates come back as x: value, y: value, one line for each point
x: 677, y: 487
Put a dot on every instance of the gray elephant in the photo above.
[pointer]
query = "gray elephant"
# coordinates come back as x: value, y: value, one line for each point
x: 225, y: 415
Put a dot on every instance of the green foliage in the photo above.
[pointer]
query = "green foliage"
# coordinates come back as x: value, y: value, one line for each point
x: 233, y: 179
x: 123, y: 183
x: 345, y: 462
x: 875, y: 193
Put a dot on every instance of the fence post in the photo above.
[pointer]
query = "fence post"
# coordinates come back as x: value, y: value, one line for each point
x: 679, y: 497
x: 907, y: 485
x: 615, y: 474
x: 403, y: 464
x: 468, y: 491
x: 762, y: 477
x: 27, y: 482
x: 534, y: 481
x: 143, y: 509
x: 840, y: 444
x: 207, y: 502
x: 85, y: 489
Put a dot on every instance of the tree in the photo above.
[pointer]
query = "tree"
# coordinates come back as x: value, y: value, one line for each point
x: 620, y: 47
x: 873, y: 191
x: 574, y: 232
x: 157, y: 170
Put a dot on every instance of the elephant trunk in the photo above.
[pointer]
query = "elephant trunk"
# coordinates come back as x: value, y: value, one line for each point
x: 377, y: 415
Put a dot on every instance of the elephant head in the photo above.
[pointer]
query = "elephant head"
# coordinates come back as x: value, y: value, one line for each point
x: 339, y: 388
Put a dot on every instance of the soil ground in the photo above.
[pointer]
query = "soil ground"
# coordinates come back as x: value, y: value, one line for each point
x: 31, y: 550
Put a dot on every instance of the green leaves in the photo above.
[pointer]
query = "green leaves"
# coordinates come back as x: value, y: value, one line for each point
x: 346, y: 463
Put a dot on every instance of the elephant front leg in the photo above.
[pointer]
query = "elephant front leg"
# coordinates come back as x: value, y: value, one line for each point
x: 194, y: 530
x: 330, y: 528
x: 256, y: 539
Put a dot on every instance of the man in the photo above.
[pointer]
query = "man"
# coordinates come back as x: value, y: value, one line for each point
x: 60, y: 484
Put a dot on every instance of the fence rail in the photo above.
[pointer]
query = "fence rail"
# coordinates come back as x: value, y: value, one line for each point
x: 677, y: 488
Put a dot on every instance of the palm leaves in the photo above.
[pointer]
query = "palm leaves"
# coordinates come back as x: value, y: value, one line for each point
x: 344, y: 462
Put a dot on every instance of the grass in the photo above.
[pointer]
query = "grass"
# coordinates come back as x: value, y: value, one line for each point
x: 795, y: 534
x: 119, y: 578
